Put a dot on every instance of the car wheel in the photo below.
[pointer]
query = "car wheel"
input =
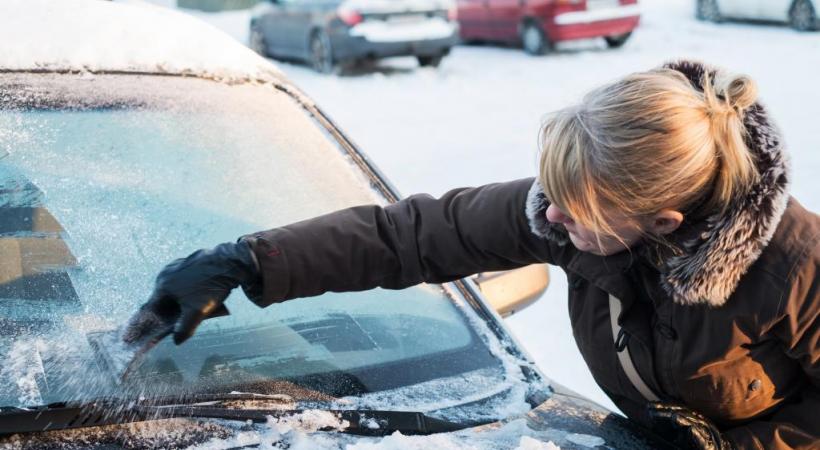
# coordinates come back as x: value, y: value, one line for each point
x: 430, y: 60
x: 533, y: 39
x: 256, y: 41
x: 708, y: 10
x: 617, y: 40
x: 802, y: 16
x: 321, y: 54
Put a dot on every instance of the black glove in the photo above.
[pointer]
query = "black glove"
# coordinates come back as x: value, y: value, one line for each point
x: 190, y: 290
x: 685, y: 428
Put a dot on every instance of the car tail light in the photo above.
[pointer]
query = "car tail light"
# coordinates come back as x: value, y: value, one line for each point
x: 349, y: 16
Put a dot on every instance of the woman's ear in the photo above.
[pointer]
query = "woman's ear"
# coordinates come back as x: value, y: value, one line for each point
x: 665, y: 222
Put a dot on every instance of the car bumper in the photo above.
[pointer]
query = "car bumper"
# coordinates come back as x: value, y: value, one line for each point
x: 376, y: 40
x: 594, y: 23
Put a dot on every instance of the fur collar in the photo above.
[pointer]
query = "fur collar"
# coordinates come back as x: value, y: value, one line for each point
x: 709, y: 265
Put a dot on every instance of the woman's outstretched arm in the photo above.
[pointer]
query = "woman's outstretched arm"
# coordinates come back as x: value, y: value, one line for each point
x: 419, y: 239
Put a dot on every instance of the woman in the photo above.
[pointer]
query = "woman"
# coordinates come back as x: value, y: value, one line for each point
x: 664, y: 198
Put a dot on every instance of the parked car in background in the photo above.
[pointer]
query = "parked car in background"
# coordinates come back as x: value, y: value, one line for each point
x: 800, y: 14
x: 538, y: 24
x: 333, y: 33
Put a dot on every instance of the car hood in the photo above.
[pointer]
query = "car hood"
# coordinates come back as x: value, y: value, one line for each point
x: 131, y: 36
x: 562, y: 422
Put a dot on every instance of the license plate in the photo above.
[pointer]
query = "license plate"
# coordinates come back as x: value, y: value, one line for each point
x: 601, y: 4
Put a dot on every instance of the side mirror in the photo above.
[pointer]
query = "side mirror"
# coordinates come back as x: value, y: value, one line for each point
x: 511, y: 291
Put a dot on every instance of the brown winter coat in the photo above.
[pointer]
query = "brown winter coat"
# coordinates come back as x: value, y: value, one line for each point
x: 727, y: 326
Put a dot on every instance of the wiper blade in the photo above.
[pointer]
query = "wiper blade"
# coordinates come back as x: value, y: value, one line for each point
x: 67, y: 416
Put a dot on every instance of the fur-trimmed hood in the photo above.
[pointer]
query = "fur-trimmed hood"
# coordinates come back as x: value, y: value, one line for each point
x: 709, y: 266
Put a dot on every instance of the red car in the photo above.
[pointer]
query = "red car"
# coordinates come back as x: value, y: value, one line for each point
x: 538, y: 24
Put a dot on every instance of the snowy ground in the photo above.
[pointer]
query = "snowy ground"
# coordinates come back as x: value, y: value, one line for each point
x: 475, y: 120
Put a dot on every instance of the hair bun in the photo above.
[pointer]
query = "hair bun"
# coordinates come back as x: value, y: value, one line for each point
x: 739, y: 91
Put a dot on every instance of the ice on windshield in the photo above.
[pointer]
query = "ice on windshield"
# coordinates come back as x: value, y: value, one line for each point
x: 127, y: 181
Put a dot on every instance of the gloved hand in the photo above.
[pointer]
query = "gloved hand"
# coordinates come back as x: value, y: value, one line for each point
x: 685, y: 428
x: 192, y: 289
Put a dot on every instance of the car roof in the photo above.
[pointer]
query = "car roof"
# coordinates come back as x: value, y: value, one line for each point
x: 128, y: 36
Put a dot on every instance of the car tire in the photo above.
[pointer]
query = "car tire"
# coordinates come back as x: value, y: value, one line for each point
x: 707, y: 10
x: 533, y: 39
x: 321, y: 53
x: 430, y: 60
x: 617, y: 40
x: 256, y: 41
x: 802, y: 16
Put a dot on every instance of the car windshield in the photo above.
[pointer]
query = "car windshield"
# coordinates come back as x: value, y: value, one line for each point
x: 107, y: 178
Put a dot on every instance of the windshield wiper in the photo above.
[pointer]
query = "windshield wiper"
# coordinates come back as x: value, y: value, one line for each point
x: 61, y: 416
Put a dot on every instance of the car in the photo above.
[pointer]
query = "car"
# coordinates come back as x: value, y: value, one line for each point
x: 538, y: 25
x: 332, y: 34
x: 124, y: 147
x: 800, y: 14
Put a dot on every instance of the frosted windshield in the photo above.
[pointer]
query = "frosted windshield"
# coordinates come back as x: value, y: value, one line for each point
x: 106, y: 179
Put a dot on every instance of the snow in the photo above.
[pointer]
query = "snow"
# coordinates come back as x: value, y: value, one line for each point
x: 585, y: 440
x: 475, y: 120
x: 528, y: 443
x: 158, y: 39
x: 24, y: 365
x: 294, y: 433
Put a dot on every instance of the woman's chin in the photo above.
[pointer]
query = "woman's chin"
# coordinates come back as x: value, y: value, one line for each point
x: 592, y: 247
x: 583, y: 244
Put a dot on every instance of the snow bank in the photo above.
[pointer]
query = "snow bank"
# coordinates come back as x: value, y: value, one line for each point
x: 93, y: 35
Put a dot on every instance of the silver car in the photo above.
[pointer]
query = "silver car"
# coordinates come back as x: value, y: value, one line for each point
x: 800, y: 14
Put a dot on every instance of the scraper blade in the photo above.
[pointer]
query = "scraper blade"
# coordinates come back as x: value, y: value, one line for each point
x: 121, y: 359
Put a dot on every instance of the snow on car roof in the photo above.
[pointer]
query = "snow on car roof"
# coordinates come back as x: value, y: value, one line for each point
x: 132, y: 36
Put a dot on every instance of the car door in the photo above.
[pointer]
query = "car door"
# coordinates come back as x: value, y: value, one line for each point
x: 299, y: 20
x: 280, y: 26
x: 740, y: 9
x: 504, y: 17
x: 774, y: 9
x: 472, y: 18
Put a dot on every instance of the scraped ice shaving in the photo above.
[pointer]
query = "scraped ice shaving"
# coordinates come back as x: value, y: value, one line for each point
x: 528, y: 443
x: 296, y: 432
x: 585, y: 440
x: 495, y: 394
x: 310, y: 421
x: 91, y: 35
x: 281, y: 434
x: 370, y: 423
x: 24, y: 368
x: 398, y: 441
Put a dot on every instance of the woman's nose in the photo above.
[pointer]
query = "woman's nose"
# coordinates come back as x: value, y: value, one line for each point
x: 555, y: 215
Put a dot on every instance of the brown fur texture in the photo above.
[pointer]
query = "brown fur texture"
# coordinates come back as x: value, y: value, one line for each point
x: 707, y: 268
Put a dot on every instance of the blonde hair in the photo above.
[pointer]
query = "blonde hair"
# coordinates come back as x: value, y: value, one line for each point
x: 647, y: 142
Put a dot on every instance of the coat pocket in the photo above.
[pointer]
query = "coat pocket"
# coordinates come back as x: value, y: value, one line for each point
x: 729, y: 390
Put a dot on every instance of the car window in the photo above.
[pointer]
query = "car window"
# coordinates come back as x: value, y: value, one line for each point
x: 107, y: 178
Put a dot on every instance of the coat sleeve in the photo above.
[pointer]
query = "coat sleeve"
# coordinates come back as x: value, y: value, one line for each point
x: 797, y: 424
x: 418, y: 239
